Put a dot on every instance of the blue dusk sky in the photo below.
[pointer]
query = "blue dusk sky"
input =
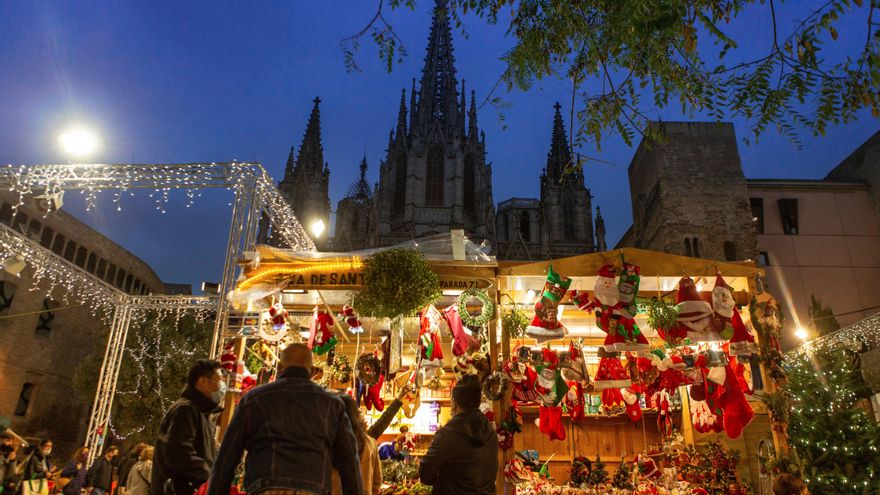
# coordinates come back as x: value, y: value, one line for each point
x: 173, y: 82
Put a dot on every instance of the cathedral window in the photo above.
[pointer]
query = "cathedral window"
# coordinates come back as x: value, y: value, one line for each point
x: 470, y: 183
x: 400, y: 184
x: 568, y: 219
x: 525, y: 225
x: 434, y: 177
x: 729, y: 251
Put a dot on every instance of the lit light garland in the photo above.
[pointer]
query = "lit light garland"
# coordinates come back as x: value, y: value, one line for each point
x: 859, y: 335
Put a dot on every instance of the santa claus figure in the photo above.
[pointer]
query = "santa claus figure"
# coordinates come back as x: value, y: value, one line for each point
x: 275, y: 323
x: 552, y: 389
x: 429, y: 338
x: 694, y: 315
x: 351, y: 319
x: 321, y: 338
x: 546, y: 325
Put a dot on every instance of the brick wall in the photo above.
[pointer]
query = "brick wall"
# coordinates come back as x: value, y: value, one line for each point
x: 48, y: 358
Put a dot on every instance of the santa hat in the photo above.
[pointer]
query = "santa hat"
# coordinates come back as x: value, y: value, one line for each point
x: 611, y: 374
x: 605, y: 290
x: 694, y: 314
x: 742, y: 343
x: 647, y: 467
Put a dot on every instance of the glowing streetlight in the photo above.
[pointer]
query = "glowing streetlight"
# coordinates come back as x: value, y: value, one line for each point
x: 801, y: 333
x: 79, y: 142
x: 318, y: 227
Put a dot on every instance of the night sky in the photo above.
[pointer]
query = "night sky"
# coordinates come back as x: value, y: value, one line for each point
x: 174, y: 82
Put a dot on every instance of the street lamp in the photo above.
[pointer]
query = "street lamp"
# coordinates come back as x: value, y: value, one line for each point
x: 79, y: 142
x: 318, y: 227
x: 802, y: 333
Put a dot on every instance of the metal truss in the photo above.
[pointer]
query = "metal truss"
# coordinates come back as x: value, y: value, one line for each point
x: 255, y: 195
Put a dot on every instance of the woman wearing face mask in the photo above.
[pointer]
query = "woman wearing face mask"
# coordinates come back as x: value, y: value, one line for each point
x: 74, y: 474
x: 38, y: 470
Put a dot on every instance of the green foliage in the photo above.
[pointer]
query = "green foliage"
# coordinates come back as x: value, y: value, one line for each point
x: 661, y: 314
x: 836, y: 438
x: 625, y: 56
x: 779, y: 404
x: 822, y: 317
x: 397, y: 282
x: 159, y: 352
x: 514, y: 321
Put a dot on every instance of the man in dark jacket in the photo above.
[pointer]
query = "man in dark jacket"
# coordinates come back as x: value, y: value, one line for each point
x: 185, y: 447
x: 294, y: 432
x: 128, y: 461
x: 99, y: 480
x: 463, y: 458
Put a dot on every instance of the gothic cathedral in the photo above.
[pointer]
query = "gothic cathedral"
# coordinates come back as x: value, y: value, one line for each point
x: 435, y: 178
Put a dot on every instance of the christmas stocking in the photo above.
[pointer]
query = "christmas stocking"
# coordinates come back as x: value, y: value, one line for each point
x: 321, y: 338
x: 574, y: 401
x: 742, y: 343
x: 429, y: 338
x: 373, y: 398
x: 664, y: 418
x: 545, y: 325
x: 550, y: 422
x: 633, y: 409
x: 462, y: 342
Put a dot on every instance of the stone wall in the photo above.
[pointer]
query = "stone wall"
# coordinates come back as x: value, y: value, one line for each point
x: 689, y: 194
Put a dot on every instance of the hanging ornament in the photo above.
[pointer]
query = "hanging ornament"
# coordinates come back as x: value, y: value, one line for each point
x: 274, y: 326
x: 368, y: 368
x: 321, y: 338
x: 351, y: 319
x: 431, y: 353
x: 495, y: 386
x: 694, y: 315
x: 340, y: 370
x: 487, y: 311
x: 546, y: 325
x: 462, y: 341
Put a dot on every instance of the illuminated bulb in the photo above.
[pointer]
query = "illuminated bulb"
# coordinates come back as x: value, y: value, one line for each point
x: 318, y: 227
x: 530, y: 295
x: 801, y: 333
x: 79, y: 142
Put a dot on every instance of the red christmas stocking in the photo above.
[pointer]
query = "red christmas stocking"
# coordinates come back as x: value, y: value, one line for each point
x: 462, y: 342
x: 374, y: 396
x: 550, y: 422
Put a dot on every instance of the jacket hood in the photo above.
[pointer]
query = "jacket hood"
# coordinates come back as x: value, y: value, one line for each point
x: 474, y: 426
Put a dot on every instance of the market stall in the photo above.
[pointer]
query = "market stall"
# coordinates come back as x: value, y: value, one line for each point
x: 643, y: 363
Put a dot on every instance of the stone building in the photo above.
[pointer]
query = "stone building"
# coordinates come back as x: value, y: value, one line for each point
x: 689, y: 194
x: 43, y: 340
x: 560, y: 223
x: 434, y: 177
x: 862, y: 165
x: 306, y: 184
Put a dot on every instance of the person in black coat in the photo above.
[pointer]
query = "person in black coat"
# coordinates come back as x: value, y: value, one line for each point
x: 38, y: 469
x: 99, y: 480
x: 128, y: 461
x: 185, y: 447
x: 463, y: 458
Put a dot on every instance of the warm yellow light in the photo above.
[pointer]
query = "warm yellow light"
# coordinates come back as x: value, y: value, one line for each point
x: 318, y: 227
x: 79, y: 142
x: 267, y: 272
x: 530, y: 295
x: 801, y: 333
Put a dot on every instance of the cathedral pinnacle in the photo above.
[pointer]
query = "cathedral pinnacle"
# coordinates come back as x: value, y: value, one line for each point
x: 438, y: 90
x: 311, y: 151
x: 401, y: 117
x: 559, y: 157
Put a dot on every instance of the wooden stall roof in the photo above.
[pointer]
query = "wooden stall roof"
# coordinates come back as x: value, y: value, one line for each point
x: 652, y: 263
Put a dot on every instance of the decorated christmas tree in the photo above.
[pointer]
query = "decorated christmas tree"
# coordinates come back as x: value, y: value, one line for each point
x: 623, y: 476
x: 598, y: 474
x: 829, y: 429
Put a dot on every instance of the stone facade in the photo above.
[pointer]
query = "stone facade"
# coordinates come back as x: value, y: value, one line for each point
x: 689, y: 194
x: 560, y: 223
x: 42, y: 341
x: 353, y: 215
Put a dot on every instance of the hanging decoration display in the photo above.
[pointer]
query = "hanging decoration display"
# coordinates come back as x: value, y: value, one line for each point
x: 462, y: 342
x: 351, y: 319
x: 495, y: 386
x: 368, y: 368
x: 275, y: 324
x: 321, y: 338
x: 546, y: 325
x: 340, y: 369
x: 486, y: 313
x: 614, y: 305
x: 430, y: 349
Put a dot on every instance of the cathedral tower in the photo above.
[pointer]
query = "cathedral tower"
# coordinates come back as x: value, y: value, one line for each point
x: 353, y: 222
x: 435, y: 176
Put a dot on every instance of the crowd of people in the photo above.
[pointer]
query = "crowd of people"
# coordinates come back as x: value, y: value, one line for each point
x: 300, y: 439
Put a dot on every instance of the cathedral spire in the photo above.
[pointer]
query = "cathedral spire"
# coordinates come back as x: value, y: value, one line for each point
x: 472, y: 116
x: 412, y: 106
x: 311, y: 151
x: 438, y: 98
x: 462, y: 108
x: 291, y: 160
x: 401, y: 118
x: 559, y: 157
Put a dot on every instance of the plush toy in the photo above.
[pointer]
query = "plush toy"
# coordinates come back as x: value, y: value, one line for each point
x: 694, y: 315
x: 552, y: 389
x: 614, y: 305
x: 574, y: 369
x: 723, y: 308
x: 228, y: 358
x: 647, y: 467
x: 574, y: 401
x: 351, y: 319
x: 523, y: 380
x: 664, y: 417
x: 321, y: 338
x: 545, y: 325
x: 275, y: 325
x: 462, y: 342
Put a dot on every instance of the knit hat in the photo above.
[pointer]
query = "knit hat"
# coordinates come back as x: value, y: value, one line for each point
x: 467, y: 392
